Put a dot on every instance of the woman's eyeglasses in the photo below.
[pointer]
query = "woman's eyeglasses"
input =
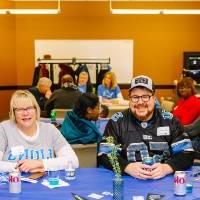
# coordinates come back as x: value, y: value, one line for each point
x: 28, y: 109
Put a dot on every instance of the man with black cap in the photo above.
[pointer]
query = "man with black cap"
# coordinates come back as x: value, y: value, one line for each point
x: 146, y: 134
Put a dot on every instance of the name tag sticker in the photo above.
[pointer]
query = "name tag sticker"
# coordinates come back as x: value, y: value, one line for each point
x: 17, y: 150
x: 162, y: 131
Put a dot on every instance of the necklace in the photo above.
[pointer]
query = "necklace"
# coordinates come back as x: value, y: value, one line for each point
x: 144, y: 124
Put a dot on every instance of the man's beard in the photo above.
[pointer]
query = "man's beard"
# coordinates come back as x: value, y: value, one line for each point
x: 145, y: 117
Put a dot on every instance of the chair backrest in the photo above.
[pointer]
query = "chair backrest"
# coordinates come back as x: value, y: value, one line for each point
x: 60, y: 113
x: 167, y: 105
x: 116, y: 108
x: 87, y: 154
x: 48, y: 120
x: 101, y: 124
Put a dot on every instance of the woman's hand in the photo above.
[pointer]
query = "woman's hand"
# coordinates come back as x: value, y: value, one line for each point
x: 30, y: 165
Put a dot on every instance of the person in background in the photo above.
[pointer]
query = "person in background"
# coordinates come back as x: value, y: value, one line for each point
x: 42, y: 91
x: 109, y: 91
x: 77, y: 127
x: 142, y: 131
x: 187, y: 109
x: 83, y: 81
x: 31, y: 145
x: 65, y: 97
x: 65, y: 69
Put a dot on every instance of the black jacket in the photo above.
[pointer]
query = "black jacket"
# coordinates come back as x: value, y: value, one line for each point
x: 63, y: 98
x: 40, y: 98
x: 161, y: 138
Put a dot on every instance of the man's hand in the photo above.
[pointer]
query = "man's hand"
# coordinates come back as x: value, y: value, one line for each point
x: 159, y: 170
x: 30, y: 165
x: 138, y: 170
x: 48, y: 94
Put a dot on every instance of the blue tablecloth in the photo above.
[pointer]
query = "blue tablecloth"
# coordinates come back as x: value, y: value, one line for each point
x: 98, y: 180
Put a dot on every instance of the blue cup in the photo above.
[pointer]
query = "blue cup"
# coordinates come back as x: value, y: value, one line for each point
x: 53, y: 177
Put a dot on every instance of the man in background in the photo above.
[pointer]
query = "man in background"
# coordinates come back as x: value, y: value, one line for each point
x: 42, y: 91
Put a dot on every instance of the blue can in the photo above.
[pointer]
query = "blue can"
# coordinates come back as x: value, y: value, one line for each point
x: 148, y: 161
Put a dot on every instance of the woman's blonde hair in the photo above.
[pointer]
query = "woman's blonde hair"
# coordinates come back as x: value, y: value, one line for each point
x: 113, y: 80
x: 22, y: 96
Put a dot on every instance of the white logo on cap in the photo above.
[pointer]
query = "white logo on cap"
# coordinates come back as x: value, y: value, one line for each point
x: 141, y: 80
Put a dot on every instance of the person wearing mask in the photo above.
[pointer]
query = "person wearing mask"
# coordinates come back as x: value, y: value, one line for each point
x: 77, y: 127
x: 109, y: 91
x: 83, y: 81
x: 142, y: 131
x: 187, y: 109
x: 31, y: 145
x: 42, y: 91
x: 65, y: 97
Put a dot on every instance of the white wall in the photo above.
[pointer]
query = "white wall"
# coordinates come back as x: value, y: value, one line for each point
x: 119, y: 51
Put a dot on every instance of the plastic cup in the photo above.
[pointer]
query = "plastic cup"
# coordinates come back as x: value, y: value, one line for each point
x: 53, y: 177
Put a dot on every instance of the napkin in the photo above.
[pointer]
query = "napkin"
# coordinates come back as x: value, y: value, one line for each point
x: 61, y: 184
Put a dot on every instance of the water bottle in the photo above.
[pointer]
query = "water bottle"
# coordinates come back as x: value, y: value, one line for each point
x: 94, y: 90
x: 53, y: 118
x: 3, y: 177
x: 70, y: 171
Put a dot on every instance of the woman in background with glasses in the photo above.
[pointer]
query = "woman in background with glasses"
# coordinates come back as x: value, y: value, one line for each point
x: 187, y: 109
x: 31, y: 145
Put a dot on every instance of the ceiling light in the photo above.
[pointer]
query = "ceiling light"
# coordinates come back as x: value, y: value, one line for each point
x: 182, y: 11
x: 31, y: 11
x: 135, y: 11
x: 154, y: 11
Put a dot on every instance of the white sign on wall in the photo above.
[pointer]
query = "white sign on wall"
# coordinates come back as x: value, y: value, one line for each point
x: 120, y: 53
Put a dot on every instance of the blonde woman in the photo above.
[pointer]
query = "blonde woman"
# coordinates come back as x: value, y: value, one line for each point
x: 109, y: 89
x: 31, y: 145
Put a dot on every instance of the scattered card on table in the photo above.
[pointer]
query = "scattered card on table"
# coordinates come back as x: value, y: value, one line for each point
x: 138, y: 198
x: 95, y: 196
x: 154, y: 196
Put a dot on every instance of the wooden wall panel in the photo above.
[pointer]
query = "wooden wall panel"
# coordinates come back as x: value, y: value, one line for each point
x: 159, y: 40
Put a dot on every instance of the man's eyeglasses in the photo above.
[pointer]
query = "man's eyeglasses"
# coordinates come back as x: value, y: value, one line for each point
x: 29, y: 109
x: 145, y: 98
